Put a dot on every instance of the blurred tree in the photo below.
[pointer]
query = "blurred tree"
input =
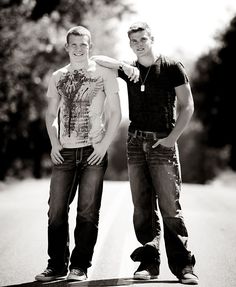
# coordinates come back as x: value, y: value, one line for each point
x: 43, y: 7
x: 32, y: 36
x: 214, y: 92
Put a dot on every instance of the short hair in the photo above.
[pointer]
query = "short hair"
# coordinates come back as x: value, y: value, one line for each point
x: 78, y: 31
x: 139, y: 26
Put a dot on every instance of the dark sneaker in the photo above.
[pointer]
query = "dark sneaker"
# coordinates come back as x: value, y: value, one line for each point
x: 50, y: 275
x: 77, y: 275
x: 188, y: 277
x: 147, y: 272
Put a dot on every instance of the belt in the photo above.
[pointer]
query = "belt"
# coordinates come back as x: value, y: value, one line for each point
x: 146, y: 134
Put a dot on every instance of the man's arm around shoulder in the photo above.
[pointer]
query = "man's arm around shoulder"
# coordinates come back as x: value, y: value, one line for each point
x: 131, y: 71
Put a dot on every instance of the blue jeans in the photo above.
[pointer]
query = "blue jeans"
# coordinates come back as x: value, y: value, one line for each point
x: 155, y: 181
x: 72, y: 173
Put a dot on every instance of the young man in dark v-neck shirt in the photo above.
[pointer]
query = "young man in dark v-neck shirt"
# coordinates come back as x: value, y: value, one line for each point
x: 153, y: 161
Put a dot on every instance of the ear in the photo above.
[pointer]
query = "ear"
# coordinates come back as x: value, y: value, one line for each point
x: 66, y: 47
x: 90, y: 46
x: 152, y: 39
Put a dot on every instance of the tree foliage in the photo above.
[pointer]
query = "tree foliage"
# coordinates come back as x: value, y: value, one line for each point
x: 214, y: 90
x: 32, y: 36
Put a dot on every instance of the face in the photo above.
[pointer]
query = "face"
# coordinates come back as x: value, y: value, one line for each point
x: 78, y: 48
x: 141, y: 43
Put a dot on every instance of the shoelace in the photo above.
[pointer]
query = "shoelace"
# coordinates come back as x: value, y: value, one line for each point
x: 47, y: 271
x: 188, y: 269
x: 77, y: 272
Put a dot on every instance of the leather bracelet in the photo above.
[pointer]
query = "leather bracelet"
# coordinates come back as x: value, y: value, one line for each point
x: 121, y: 66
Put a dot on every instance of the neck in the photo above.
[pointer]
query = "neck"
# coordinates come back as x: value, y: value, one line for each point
x: 79, y: 65
x: 147, y: 60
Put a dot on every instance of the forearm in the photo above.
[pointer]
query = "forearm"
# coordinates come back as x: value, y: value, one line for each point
x: 129, y: 70
x: 111, y: 130
x: 51, y: 129
x: 182, y: 121
x: 107, y: 62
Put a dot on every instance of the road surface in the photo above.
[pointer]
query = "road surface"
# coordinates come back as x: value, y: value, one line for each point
x: 209, y: 212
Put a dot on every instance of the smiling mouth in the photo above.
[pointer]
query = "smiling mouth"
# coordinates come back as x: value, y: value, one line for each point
x: 78, y: 54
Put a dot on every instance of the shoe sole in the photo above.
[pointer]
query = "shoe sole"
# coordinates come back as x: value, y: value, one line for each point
x: 189, y: 281
x: 76, y: 278
x: 147, y: 277
x: 48, y: 279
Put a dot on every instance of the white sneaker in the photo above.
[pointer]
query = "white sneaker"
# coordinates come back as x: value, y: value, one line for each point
x: 77, y: 275
x: 146, y: 272
x: 50, y: 275
x: 189, y: 278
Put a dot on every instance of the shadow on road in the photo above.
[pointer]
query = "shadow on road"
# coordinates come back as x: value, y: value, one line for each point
x: 96, y: 283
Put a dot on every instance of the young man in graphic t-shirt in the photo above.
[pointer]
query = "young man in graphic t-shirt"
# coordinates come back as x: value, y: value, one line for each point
x: 82, y: 119
x: 153, y: 161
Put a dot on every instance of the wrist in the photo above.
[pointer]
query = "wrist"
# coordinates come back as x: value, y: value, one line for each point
x: 55, y: 143
x: 121, y: 66
x: 173, y: 138
x: 105, y: 143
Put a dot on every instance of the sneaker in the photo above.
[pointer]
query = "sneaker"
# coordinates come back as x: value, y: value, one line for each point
x: 146, y: 272
x: 188, y: 277
x: 77, y: 275
x: 50, y: 275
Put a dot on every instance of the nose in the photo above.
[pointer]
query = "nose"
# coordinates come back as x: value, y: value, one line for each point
x: 77, y: 50
x: 139, y: 46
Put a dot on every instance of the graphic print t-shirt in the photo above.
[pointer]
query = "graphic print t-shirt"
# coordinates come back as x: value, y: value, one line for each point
x: 82, y: 95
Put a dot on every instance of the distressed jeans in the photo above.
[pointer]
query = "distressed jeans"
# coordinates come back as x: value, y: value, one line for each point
x: 155, y: 181
x: 72, y: 173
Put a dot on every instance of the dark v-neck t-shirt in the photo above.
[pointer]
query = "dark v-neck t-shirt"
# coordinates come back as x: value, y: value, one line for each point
x: 154, y: 108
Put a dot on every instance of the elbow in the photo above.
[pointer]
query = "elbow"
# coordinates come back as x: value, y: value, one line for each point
x: 191, y: 109
x: 119, y: 118
x: 117, y: 115
x: 50, y: 116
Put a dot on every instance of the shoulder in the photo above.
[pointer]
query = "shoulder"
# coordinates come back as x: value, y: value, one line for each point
x: 56, y: 75
x: 174, y: 70
x: 60, y: 71
x: 169, y: 61
x: 172, y: 64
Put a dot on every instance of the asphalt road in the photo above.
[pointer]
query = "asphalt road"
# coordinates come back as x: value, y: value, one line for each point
x: 209, y: 213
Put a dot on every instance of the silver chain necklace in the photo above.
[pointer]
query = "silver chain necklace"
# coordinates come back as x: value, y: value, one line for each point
x: 142, y: 88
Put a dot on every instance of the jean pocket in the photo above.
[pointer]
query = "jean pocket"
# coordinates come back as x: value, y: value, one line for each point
x: 167, y: 148
x: 103, y: 163
x: 129, y: 139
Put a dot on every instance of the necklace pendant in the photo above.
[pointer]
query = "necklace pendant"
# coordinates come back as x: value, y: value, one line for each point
x: 142, y: 88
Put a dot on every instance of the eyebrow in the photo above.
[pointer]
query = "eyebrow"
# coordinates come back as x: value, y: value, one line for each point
x: 142, y: 38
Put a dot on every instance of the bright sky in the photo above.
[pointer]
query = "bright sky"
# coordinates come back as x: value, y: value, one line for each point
x: 182, y: 28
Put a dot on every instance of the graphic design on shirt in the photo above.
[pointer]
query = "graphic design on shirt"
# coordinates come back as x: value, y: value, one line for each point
x: 77, y: 90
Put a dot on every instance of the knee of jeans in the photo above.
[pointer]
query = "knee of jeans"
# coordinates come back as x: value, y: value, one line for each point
x: 88, y: 216
x: 142, y: 215
x: 171, y: 213
x: 57, y: 218
x: 176, y: 223
x: 142, y: 211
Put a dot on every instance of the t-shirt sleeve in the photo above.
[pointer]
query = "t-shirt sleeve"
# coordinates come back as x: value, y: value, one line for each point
x: 52, y: 89
x: 110, y: 82
x: 178, y: 75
